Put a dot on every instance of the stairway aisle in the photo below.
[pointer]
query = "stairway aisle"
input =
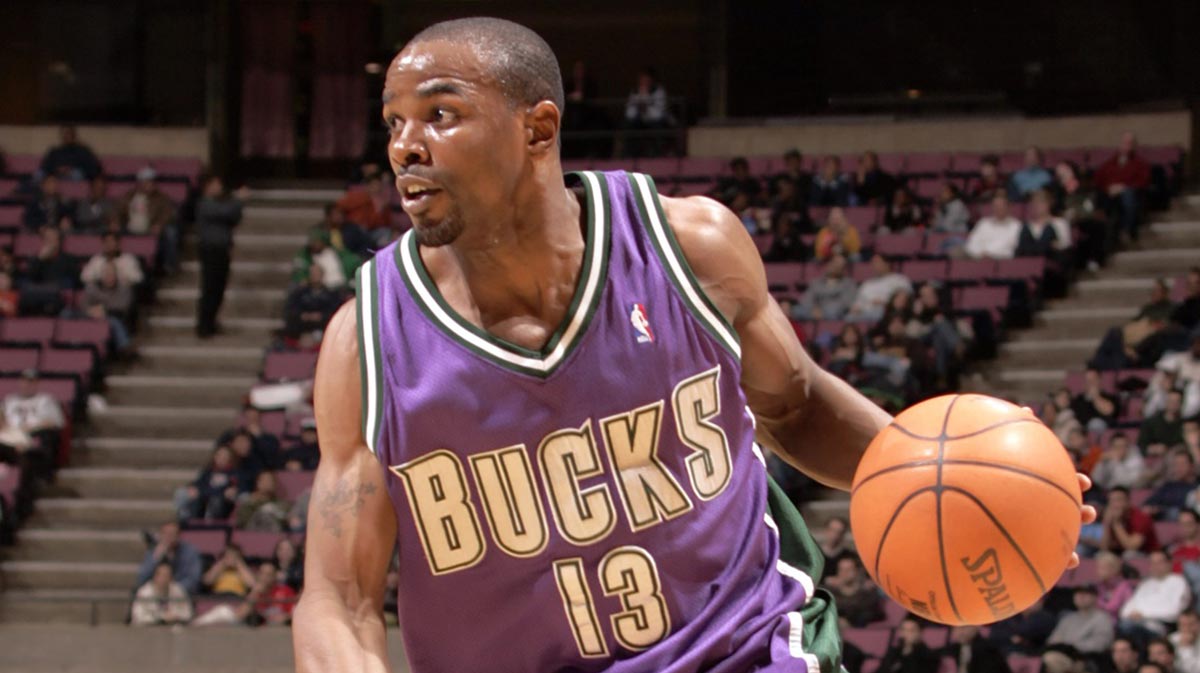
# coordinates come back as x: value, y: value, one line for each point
x: 76, y: 557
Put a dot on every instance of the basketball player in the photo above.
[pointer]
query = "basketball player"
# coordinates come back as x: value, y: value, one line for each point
x: 548, y: 394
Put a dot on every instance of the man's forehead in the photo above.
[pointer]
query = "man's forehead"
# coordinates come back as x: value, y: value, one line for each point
x: 434, y: 59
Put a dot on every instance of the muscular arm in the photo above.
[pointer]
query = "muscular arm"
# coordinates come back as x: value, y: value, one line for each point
x: 812, y: 419
x: 338, y: 624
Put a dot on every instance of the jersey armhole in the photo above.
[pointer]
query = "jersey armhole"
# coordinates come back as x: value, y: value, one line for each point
x: 369, y: 355
x: 662, y: 237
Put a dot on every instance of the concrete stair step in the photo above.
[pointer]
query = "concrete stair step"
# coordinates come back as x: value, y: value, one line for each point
x: 49, y: 544
x: 244, y: 302
x: 1180, y: 232
x: 1163, y: 261
x: 69, y: 574
x: 1076, y: 322
x: 181, y: 361
x: 123, y: 482
x: 58, y: 606
x: 242, y: 274
x: 175, y: 390
x: 101, y: 513
x: 146, y: 451
x: 180, y: 330
x: 312, y: 199
x: 1045, y: 353
x: 176, y: 422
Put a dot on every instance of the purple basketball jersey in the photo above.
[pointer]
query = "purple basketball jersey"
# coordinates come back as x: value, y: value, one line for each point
x: 598, y: 505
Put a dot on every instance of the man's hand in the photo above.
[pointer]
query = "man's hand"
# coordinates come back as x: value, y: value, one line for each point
x: 1087, y: 514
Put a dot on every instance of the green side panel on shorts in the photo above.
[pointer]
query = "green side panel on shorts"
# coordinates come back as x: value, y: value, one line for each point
x: 798, y: 549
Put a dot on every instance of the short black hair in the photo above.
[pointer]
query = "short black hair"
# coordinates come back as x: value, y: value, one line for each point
x: 990, y: 159
x: 518, y: 60
x: 739, y: 161
x: 1161, y: 641
x: 792, y: 153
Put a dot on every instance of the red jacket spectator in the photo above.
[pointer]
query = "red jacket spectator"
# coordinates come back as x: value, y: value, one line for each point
x: 369, y: 208
x: 1123, y: 169
x: 1127, y: 528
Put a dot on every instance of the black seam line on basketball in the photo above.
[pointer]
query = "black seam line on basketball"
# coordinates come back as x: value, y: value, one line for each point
x: 909, y: 433
x: 965, y: 462
x: 941, y: 440
x: 1004, y: 532
x: 895, y: 515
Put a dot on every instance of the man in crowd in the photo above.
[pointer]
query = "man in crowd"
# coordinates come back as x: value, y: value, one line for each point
x: 183, y: 559
x: 1159, y: 599
x: 128, y: 268
x: 336, y: 265
x: 96, y: 212
x: 217, y: 214
x: 989, y: 183
x: 49, y: 208
x: 310, y: 306
x: 145, y: 209
x: 1120, y: 179
x: 70, y: 159
x: 1187, y: 313
x: 370, y: 208
x: 875, y: 293
x: 793, y: 172
x: 1126, y: 528
x: 738, y: 180
x: 972, y: 653
x: 1171, y: 496
x: 1087, y: 629
x: 1186, y: 641
x: 1165, y: 428
x: 1124, y: 657
x: 872, y: 186
x: 1030, y: 178
x: 830, y: 187
x: 1185, y: 365
x: 1094, y: 408
x: 161, y: 600
x: 995, y: 236
x: 37, y: 414
x: 830, y: 296
x: 1160, y: 651
x: 1081, y: 209
x: 343, y: 234
x: 646, y: 109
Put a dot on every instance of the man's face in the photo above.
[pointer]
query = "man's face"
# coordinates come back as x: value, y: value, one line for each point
x: 98, y: 188
x: 266, y: 575
x: 1181, y: 467
x: 1000, y: 207
x: 1120, y: 446
x: 1189, y: 625
x: 794, y: 163
x: 316, y: 275
x: 168, y: 534
x: 1118, y: 502
x: 1188, y: 526
x: 162, y: 578
x: 50, y: 185
x: 1128, y: 143
x: 1032, y: 160
x: 1158, y: 292
x: 1174, y: 402
x: 1076, y: 440
x: 336, y: 217
x: 1123, y: 654
x: 1039, y: 206
x: 1193, y: 283
x: 740, y: 170
x: 111, y: 246
x: 265, y: 482
x: 457, y: 146
x: 1159, y: 654
x: 1091, y: 378
x: 846, y: 569
x: 66, y: 135
x: 836, y: 268
x: 1160, y: 565
x: 988, y: 171
x: 1085, y: 600
x: 1064, y: 173
x: 829, y: 168
x: 910, y: 632
x: 880, y: 265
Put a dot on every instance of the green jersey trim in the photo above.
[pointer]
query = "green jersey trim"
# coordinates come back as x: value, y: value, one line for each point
x: 370, y: 357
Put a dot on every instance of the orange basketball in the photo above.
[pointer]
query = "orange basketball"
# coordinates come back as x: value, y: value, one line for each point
x: 965, y: 509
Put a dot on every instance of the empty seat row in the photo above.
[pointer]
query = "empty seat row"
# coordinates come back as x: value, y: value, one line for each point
x: 27, y: 244
x: 211, y: 541
x: 44, y: 332
x: 80, y: 362
x: 176, y: 191
x: 186, y: 168
x: 289, y: 366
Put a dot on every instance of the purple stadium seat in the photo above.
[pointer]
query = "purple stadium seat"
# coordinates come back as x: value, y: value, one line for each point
x: 27, y: 245
x: 124, y: 165
x: 985, y: 297
x: 784, y: 276
x: 73, y: 189
x: 1011, y: 161
x: 861, y: 217
x: 1021, y: 663
x: 706, y: 168
x: 967, y: 162
x: 927, y: 163
x: 935, y: 242
x: 763, y: 242
x: 81, y: 245
x: 273, y: 422
x: 973, y: 270
x: 1161, y: 154
x: 1074, y: 382
x: 7, y: 187
x: 928, y: 189
x: 10, y: 216
x: 1056, y: 156
x: 83, y: 332
x: 27, y: 330
x: 1098, y: 155
x: 893, y: 612
x: 210, y: 541
x: 921, y: 271
x: 1021, y: 268
x: 892, y: 162
x: 1138, y: 496
x: 144, y: 247
x: 1140, y: 563
x: 873, y: 642
x: 1167, y: 532
x: 256, y: 544
x: 898, y: 245
x: 179, y: 167
x: 659, y: 168
x: 761, y: 166
x: 22, y: 164
x: 17, y: 360
x: 78, y: 361
x: 861, y: 271
x: 177, y: 191
x: 290, y: 366
x: 10, y: 481
x: 293, y: 484
x: 870, y: 665
x: 1086, y: 572
x: 935, y: 636
x: 62, y: 390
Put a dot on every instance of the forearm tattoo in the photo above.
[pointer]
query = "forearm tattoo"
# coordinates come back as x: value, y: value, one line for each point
x: 344, y: 498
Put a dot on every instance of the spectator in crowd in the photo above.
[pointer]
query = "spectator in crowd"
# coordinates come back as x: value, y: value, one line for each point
x: 1127, y: 529
x: 835, y: 539
x: 265, y: 444
x: 830, y: 296
x: 276, y: 599
x: 249, y: 459
x: 951, y: 215
x: 1080, y: 208
x: 1160, y: 598
x: 306, y: 454
x: 1030, y: 178
x: 872, y: 186
x: 96, y: 212
x: 344, y: 236
x: 229, y: 574
x: 109, y: 299
x: 1185, y: 550
x: 50, y: 271
x: 1058, y: 416
x: 336, y: 267
x: 1025, y: 632
x: 212, y: 494
x: 1185, y: 366
x: 989, y: 183
x: 1119, y: 180
x: 793, y: 172
x: 646, y: 109
x: 995, y: 236
x: 70, y: 159
x: 183, y: 559
x: 370, y: 209
x: 788, y: 206
x: 290, y: 563
x: 1187, y: 313
x: 262, y: 509
x: 932, y: 322
x: 1094, y: 408
x: 49, y: 208
x: 1160, y: 651
x: 1113, y: 589
x: 1085, y: 452
x: 909, y: 653
x: 1186, y: 641
x: 127, y: 266
x: 10, y: 299
x: 902, y: 214
x: 1140, y: 341
x: 1043, y: 234
x: 837, y: 237
x: 39, y: 416
x: 738, y: 180
x: 309, y: 307
x: 972, y: 653
x: 161, y: 600
x: 217, y: 213
x: 1088, y: 629
x: 743, y: 207
x: 830, y: 187
x: 1171, y: 496
x: 298, y: 517
x: 858, y: 599
x: 1164, y: 428
x: 1124, y: 657
x: 875, y: 292
x: 145, y: 209
x: 787, y: 245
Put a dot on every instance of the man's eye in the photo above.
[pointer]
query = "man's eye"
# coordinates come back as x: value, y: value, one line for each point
x: 442, y: 115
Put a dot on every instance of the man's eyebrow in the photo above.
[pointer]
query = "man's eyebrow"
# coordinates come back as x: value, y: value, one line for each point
x: 430, y: 89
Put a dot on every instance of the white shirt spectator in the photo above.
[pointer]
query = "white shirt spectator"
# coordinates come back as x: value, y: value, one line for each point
x: 36, y: 412
x: 874, y: 294
x: 150, y: 608
x: 1113, y: 472
x: 129, y: 271
x: 1187, y: 657
x: 331, y: 264
x: 1158, y: 600
x: 994, y: 238
x: 1187, y: 369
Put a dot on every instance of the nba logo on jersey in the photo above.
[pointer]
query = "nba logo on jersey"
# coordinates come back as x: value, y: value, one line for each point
x: 641, y: 323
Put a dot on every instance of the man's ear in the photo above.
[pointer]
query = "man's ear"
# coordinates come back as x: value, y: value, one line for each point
x: 542, y: 123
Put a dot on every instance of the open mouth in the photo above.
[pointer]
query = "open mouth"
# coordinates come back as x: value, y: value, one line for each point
x: 416, y: 195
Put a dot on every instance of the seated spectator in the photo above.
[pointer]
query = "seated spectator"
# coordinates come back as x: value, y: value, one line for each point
x: 1160, y: 651
x: 646, y: 109
x: 1160, y: 307
x: 128, y: 268
x: 1025, y: 632
x: 902, y: 213
x: 1185, y: 364
x: 875, y: 292
x: 337, y: 267
x: 306, y: 454
x: 989, y: 183
x: 932, y: 322
x: 107, y: 298
x: 738, y: 180
x: 249, y: 459
x: 747, y: 213
x: 1057, y: 414
x: 1164, y: 428
x: 183, y: 559
x: 1043, y: 235
x: 1171, y: 495
x: 1030, y: 178
x: 7, y: 263
x: 950, y: 214
x: 1185, y: 550
x: 264, y: 445
x: 290, y: 563
x: 70, y: 159
x: 161, y: 600
x: 310, y: 306
x: 995, y: 236
x: 908, y: 653
x: 830, y: 187
x: 262, y: 509
x: 1139, y: 342
x: 298, y: 517
x: 40, y: 416
x: 787, y: 245
x: 830, y: 296
x: 48, y: 273
x: 1119, y: 181
x: 1187, y: 314
x: 1124, y: 657
x: 1094, y: 408
x: 212, y: 494
x: 793, y: 172
x: 837, y: 237
x: 1080, y: 208
x: 972, y: 653
x: 344, y: 236
x: 835, y: 538
x: 1113, y: 589
x: 1186, y: 641
x: 858, y: 599
x: 871, y: 186
x: 1126, y: 528
x: 10, y: 299
x: 145, y: 209
x: 276, y: 599
x: 1160, y: 598
x: 908, y: 361
x: 370, y: 209
x: 229, y: 575
x: 1088, y: 629
x: 1086, y: 453
x: 789, y: 205
x: 49, y: 208
x: 96, y: 212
